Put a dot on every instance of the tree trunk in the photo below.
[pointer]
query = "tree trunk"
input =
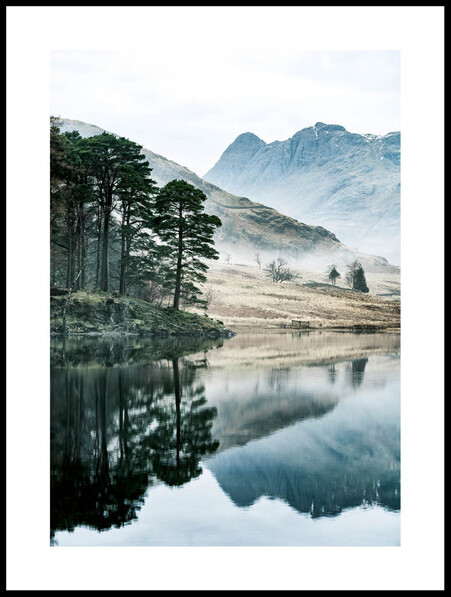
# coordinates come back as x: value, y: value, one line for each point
x: 81, y: 252
x: 52, y: 266
x: 99, y: 240
x: 105, y: 277
x: 66, y: 304
x: 70, y: 257
x: 178, y: 399
x: 178, y: 273
x: 124, y: 255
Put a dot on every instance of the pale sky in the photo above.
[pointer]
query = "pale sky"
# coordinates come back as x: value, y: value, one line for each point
x: 188, y: 103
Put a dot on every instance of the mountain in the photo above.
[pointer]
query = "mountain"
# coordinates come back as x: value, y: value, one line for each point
x: 249, y: 227
x: 324, y: 175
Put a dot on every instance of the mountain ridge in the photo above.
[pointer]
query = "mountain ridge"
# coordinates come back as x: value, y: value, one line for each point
x: 323, y: 174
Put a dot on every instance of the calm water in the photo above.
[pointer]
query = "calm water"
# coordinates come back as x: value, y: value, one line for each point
x: 261, y: 439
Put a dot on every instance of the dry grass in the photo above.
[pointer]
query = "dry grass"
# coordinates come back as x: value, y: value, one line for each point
x: 242, y: 296
x: 274, y: 349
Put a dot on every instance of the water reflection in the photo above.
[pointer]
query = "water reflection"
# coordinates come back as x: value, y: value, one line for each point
x: 114, y: 430
x: 332, y: 372
x: 182, y: 433
x: 347, y: 458
x: 357, y: 371
x: 130, y: 414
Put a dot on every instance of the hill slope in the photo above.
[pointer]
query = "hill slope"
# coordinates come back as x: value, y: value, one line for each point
x: 325, y: 175
x: 242, y: 296
x: 250, y: 227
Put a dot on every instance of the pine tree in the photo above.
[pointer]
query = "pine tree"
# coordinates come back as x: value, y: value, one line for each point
x: 355, y: 277
x: 100, y: 211
x: 118, y: 168
x: 360, y: 281
x: 186, y: 232
x: 334, y: 274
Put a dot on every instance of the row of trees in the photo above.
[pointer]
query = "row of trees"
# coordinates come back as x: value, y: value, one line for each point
x: 113, y: 229
x: 355, y: 276
x: 278, y: 271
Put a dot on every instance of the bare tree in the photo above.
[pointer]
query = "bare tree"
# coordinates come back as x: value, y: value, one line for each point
x: 208, y: 298
x: 258, y: 260
x: 277, y: 270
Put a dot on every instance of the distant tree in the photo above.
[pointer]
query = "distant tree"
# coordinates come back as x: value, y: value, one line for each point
x: 186, y: 232
x: 360, y: 281
x: 277, y: 270
x: 258, y: 260
x: 355, y: 277
x: 334, y: 274
x: 227, y: 259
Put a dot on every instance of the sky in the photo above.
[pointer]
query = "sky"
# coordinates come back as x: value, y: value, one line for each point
x: 189, y: 104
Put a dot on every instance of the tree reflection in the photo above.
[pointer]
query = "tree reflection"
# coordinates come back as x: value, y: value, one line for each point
x: 183, y: 434
x: 113, y: 429
x: 332, y: 372
x: 90, y: 486
x: 357, y: 371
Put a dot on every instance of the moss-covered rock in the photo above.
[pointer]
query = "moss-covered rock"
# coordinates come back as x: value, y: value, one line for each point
x: 102, y: 313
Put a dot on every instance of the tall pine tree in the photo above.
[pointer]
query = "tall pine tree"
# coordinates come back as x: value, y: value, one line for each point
x: 186, y: 232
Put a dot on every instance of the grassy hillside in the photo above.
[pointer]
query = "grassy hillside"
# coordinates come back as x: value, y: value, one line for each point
x: 242, y: 296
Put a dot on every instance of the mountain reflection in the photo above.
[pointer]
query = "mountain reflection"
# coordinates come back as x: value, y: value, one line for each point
x: 349, y: 457
x: 117, y: 429
x: 266, y: 400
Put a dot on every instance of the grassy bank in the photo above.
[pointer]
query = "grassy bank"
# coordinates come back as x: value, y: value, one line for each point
x: 101, y: 313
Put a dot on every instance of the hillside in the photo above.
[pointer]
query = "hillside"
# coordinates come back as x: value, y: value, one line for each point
x: 250, y: 227
x: 324, y: 175
x: 242, y: 296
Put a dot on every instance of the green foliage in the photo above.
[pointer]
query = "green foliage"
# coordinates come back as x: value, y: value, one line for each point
x: 101, y: 212
x: 113, y: 229
x: 334, y: 274
x: 355, y: 277
x: 186, y: 233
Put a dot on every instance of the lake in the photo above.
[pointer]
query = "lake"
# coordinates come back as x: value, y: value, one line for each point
x: 268, y: 438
